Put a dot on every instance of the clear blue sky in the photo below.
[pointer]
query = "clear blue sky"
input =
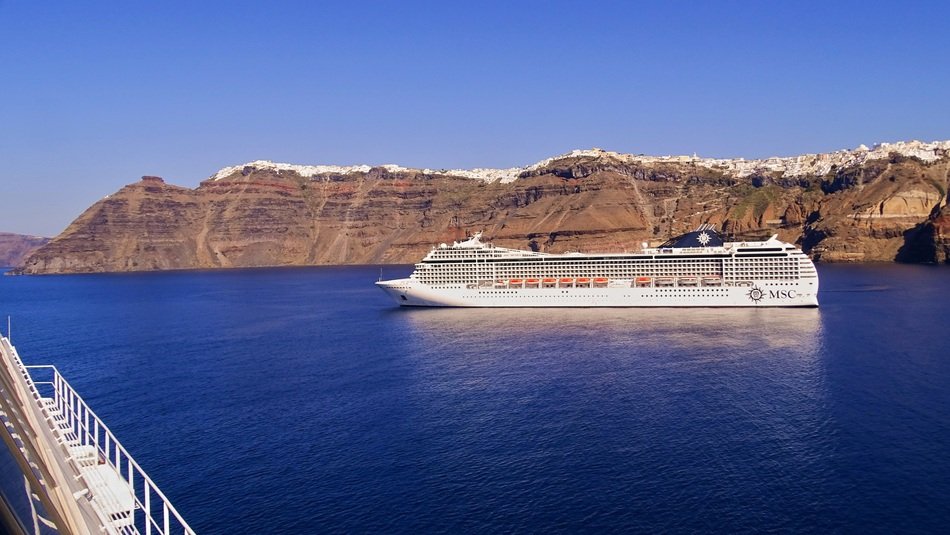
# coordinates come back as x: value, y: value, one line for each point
x: 95, y: 94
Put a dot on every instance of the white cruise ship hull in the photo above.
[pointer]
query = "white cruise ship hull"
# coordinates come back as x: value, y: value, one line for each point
x: 411, y: 293
x: 696, y: 269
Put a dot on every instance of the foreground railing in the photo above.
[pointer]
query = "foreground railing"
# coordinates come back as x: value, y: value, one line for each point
x: 100, y: 475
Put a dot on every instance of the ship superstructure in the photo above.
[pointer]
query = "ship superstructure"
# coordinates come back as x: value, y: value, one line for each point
x: 696, y: 269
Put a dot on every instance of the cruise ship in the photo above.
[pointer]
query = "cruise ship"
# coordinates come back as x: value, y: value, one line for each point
x: 696, y: 269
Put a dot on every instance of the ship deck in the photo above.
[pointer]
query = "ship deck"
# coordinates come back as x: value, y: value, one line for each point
x: 78, y: 477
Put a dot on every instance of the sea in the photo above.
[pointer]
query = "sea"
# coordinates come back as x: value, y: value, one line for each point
x: 302, y: 400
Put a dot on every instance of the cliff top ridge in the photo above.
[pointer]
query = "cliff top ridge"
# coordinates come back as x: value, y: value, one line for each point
x: 805, y: 164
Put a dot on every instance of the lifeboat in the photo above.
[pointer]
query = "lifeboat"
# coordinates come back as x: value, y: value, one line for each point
x: 712, y: 281
x: 688, y: 281
x: 549, y: 281
x: 600, y: 280
x: 533, y: 282
x: 664, y: 281
x: 644, y: 281
x: 582, y: 280
x: 514, y: 281
x: 567, y: 280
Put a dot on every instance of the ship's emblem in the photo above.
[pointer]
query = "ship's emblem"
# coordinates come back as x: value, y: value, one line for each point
x: 756, y: 294
x: 703, y: 238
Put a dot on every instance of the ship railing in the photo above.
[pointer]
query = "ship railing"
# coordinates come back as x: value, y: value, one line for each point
x: 127, y: 500
x: 84, y: 479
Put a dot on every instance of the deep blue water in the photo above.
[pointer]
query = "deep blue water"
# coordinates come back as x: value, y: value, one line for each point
x: 302, y: 400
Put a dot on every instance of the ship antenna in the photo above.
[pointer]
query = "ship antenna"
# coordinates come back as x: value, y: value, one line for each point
x: 380, y: 274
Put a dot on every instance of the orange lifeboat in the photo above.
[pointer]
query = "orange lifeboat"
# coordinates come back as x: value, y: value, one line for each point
x: 567, y: 280
x: 549, y: 281
x: 583, y: 280
x: 514, y: 281
x: 600, y: 280
x: 533, y: 282
x: 643, y: 279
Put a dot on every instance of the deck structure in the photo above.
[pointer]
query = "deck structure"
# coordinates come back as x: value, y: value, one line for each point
x: 77, y: 477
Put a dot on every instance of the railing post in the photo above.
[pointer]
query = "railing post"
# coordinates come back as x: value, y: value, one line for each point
x: 128, y: 465
x: 68, y: 413
x: 57, y: 388
x: 148, y: 507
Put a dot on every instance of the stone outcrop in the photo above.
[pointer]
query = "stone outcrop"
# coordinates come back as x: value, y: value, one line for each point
x: 941, y: 235
x: 15, y: 247
x: 928, y: 241
x: 864, y: 205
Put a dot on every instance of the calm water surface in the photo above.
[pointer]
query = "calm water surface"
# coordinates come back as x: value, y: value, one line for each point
x: 301, y: 400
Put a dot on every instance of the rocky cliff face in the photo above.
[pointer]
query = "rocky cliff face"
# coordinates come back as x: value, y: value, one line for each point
x: 883, y: 204
x: 15, y: 247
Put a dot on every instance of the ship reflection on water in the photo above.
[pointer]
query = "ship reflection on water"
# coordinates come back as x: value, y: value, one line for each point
x: 676, y: 330
x: 649, y: 357
x: 670, y: 405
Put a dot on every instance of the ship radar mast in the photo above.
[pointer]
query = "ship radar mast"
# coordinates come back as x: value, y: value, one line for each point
x: 471, y: 242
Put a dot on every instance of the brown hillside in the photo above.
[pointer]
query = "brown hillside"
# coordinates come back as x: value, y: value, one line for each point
x: 879, y: 210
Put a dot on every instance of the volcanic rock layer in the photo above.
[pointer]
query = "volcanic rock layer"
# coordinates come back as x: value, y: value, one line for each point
x: 882, y: 204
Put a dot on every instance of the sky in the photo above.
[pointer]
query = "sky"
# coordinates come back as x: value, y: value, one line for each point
x: 94, y: 95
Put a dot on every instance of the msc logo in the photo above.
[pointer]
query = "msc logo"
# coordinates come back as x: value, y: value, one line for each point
x: 757, y: 294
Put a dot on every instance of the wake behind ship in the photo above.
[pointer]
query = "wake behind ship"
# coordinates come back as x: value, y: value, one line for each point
x: 696, y: 269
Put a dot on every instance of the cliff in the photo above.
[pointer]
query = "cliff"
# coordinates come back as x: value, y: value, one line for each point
x: 15, y: 247
x: 881, y: 204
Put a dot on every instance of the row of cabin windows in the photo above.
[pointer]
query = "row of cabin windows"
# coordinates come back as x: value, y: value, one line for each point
x: 743, y: 273
x: 615, y: 269
x: 602, y: 269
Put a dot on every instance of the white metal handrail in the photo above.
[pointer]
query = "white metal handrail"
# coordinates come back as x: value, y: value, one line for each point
x: 103, y: 479
x: 153, y: 512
